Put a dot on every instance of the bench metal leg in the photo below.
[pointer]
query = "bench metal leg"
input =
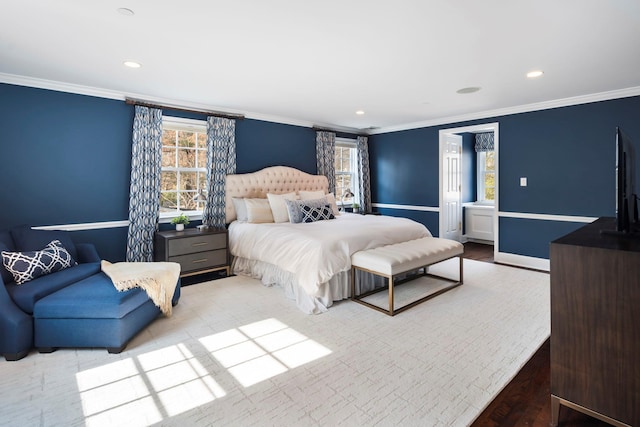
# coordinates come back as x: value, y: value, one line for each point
x: 353, y: 282
x: 390, y: 295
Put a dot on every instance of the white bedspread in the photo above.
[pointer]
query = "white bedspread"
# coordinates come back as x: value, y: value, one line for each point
x: 315, y: 252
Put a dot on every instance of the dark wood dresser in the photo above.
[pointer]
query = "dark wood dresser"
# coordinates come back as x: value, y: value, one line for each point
x: 196, y: 251
x: 595, y: 324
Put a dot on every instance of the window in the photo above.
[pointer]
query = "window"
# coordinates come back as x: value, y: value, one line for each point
x: 346, y: 171
x: 486, y: 176
x: 183, y: 181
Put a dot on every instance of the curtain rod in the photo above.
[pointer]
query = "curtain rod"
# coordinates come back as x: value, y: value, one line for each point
x: 131, y: 101
x: 324, y: 129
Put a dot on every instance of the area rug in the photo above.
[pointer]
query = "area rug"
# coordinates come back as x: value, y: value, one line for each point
x: 236, y: 353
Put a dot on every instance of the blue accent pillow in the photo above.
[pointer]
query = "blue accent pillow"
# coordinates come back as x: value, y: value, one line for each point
x: 25, y: 266
x: 310, y: 214
x: 294, y: 207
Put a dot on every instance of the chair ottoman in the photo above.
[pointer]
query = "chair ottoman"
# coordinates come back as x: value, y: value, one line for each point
x: 92, y: 313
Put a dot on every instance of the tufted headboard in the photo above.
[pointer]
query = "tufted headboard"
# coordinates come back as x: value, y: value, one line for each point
x: 274, y: 180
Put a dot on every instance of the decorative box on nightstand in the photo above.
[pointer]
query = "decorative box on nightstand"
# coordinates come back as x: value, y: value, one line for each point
x: 197, y: 251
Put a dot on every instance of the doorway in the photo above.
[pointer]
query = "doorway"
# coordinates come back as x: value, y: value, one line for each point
x: 452, y: 173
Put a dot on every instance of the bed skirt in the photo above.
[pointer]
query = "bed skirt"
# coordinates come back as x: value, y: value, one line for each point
x: 336, y: 289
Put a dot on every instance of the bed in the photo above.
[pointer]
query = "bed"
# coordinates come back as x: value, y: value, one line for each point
x: 310, y: 261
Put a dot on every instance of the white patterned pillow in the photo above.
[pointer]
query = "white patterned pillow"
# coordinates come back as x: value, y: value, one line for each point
x: 311, y: 214
x: 25, y: 266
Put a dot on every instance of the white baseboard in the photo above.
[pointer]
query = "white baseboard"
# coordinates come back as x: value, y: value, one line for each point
x: 522, y: 261
x: 480, y: 241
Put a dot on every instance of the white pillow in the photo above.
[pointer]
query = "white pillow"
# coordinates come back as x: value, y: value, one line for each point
x: 332, y: 201
x: 241, y: 208
x: 258, y: 210
x: 279, y: 207
x: 311, y: 195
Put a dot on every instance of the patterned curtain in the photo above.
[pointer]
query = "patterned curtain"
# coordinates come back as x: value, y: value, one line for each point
x: 221, y: 161
x: 326, y: 157
x: 484, y: 142
x: 364, y: 177
x: 144, y: 192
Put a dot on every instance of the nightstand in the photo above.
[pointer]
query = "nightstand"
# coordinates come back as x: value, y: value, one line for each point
x: 197, y: 251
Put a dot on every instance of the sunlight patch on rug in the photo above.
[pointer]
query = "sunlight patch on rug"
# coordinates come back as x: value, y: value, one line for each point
x: 145, y: 389
x: 262, y: 350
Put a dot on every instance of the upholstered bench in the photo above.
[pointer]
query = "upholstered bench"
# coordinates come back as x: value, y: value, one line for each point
x: 392, y: 260
x: 92, y: 313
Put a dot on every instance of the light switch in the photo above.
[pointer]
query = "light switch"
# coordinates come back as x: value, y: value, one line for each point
x: 523, y: 181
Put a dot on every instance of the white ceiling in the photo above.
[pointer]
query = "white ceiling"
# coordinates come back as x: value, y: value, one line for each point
x: 400, y: 61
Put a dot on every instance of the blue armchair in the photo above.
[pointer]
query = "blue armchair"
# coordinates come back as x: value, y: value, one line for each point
x: 65, y: 301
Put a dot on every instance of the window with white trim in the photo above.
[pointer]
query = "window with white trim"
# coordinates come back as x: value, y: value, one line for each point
x: 183, y: 181
x: 486, y: 176
x: 347, y: 187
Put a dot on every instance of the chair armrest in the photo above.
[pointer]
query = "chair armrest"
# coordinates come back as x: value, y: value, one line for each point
x: 87, y: 253
x: 16, y: 328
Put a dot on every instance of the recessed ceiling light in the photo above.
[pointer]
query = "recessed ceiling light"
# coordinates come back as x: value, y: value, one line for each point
x: 470, y: 89
x: 132, y: 64
x: 126, y: 12
x: 534, y: 74
x: 360, y: 113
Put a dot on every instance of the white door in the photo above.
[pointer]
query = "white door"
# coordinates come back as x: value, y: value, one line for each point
x: 451, y: 174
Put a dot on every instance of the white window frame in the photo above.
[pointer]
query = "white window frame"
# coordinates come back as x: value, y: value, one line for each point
x: 188, y: 125
x: 353, y: 145
x: 481, y: 159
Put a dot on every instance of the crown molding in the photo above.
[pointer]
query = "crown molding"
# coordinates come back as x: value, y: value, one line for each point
x: 545, y: 105
x: 121, y: 96
x: 60, y: 86
x: 302, y: 123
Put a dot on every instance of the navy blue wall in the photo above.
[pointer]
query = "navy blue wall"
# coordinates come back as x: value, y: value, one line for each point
x: 567, y: 155
x: 404, y: 167
x: 66, y: 159
x: 261, y: 144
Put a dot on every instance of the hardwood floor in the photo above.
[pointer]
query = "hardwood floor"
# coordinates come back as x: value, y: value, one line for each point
x: 478, y: 252
x: 526, y: 400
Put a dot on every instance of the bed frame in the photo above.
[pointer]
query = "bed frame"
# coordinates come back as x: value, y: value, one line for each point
x: 274, y: 180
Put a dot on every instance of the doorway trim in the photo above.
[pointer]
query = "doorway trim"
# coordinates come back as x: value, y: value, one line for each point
x: 488, y: 127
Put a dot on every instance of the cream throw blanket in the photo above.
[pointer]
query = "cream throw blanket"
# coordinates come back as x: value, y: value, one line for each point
x: 158, y: 279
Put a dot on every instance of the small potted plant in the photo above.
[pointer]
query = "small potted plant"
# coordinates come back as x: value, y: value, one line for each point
x: 180, y: 221
x: 356, y: 207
